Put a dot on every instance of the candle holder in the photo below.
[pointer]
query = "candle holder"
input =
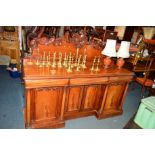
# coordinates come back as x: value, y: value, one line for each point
x: 78, y: 64
x: 76, y: 58
x: 48, y: 63
x: 83, y: 65
x: 93, y: 65
x: 41, y: 61
x: 37, y: 62
x: 54, y: 60
x: 67, y: 59
x: 97, y: 66
x: 69, y: 69
x: 60, y: 61
x: 72, y: 62
x: 64, y: 62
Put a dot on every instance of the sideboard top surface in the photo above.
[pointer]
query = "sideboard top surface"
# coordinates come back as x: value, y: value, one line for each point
x: 36, y: 72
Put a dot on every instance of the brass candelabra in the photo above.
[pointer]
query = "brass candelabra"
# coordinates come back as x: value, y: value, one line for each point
x: 93, y: 65
x: 97, y: 69
x: 54, y: 60
x: 60, y: 60
x: 78, y: 64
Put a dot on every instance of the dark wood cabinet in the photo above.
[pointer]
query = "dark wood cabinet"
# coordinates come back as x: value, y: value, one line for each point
x: 54, y: 95
x: 52, y: 99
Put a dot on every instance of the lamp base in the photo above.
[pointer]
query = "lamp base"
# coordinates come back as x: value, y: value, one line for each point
x: 107, y: 62
x: 120, y: 63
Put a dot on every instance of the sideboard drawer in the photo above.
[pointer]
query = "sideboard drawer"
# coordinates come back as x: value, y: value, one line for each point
x: 85, y: 81
x: 120, y: 78
x: 45, y: 83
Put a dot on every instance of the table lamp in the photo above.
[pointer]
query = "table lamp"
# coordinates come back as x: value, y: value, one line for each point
x: 109, y: 51
x: 122, y: 53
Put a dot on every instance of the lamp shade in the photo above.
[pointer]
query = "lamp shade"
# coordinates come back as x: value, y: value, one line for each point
x: 110, y: 48
x: 123, y: 51
x: 148, y: 32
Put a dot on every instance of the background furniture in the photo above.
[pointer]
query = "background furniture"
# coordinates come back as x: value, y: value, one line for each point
x: 9, y: 45
x: 145, y: 81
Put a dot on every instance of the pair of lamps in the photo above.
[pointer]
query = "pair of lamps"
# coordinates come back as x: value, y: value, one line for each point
x: 110, y: 51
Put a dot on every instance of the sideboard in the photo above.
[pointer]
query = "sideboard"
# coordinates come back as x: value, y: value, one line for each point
x: 55, y: 96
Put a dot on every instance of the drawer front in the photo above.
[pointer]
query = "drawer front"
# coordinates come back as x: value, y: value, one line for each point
x: 45, y: 83
x: 120, y: 78
x: 86, y: 81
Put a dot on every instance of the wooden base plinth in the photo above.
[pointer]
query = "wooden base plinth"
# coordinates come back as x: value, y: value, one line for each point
x: 45, y: 125
x: 78, y: 115
x: 108, y: 114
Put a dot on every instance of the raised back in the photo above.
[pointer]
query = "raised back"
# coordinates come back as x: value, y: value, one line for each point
x: 64, y: 48
x: 90, y: 51
x: 67, y: 48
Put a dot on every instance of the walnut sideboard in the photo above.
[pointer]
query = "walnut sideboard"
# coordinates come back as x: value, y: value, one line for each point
x: 53, y: 96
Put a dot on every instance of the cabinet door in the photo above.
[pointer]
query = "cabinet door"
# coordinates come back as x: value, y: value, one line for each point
x: 74, y: 98
x: 114, y: 98
x: 46, y: 103
x: 93, y: 95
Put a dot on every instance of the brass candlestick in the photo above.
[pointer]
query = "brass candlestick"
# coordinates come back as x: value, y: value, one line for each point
x: 54, y: 60
x: 83, y: 65
x: 97, y: 66
x: 60, y: 61
x: 69, y: 64
x: 49, y: 58
x: 76, y: 59
x: 67, y: 59
x: 72, y: 62
x: 78, y: 64
x: 64, y: 62
x: 47, y: 61
x: 93, y: 65
x: 38, y: 54
x: 37, y: 62
x: 41, y: 61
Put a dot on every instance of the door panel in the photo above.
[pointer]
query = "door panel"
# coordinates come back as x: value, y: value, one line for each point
x: 47, y: 103
x: 93, y: 96
x: 114, y: 96
x: 74, y: 98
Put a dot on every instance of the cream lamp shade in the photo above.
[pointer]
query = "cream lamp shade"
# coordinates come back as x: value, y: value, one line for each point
x: 110, y: 48
x: 123, y: 51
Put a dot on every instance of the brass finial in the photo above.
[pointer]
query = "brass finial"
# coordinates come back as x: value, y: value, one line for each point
x: 93, y: 65
x: 97, y: 66
x: 69, y: 69
x: 60, y: 60
x: 78, y: 64
x: 54, y: 60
